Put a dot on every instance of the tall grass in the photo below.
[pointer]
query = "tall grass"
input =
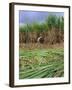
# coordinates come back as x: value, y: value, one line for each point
x: 42, y: 60
x: 52, y: 29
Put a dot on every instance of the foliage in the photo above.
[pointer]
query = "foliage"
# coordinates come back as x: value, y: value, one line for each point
x: 52, y: 21
x: 41, y: 63
x: 52, y: 30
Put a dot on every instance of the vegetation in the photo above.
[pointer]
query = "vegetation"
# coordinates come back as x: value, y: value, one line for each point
x: 52, y: 30
x: 41, y: 63
x: 42, y: 60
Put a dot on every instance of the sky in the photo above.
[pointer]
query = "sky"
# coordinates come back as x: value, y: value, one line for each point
x: 35, y: 16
